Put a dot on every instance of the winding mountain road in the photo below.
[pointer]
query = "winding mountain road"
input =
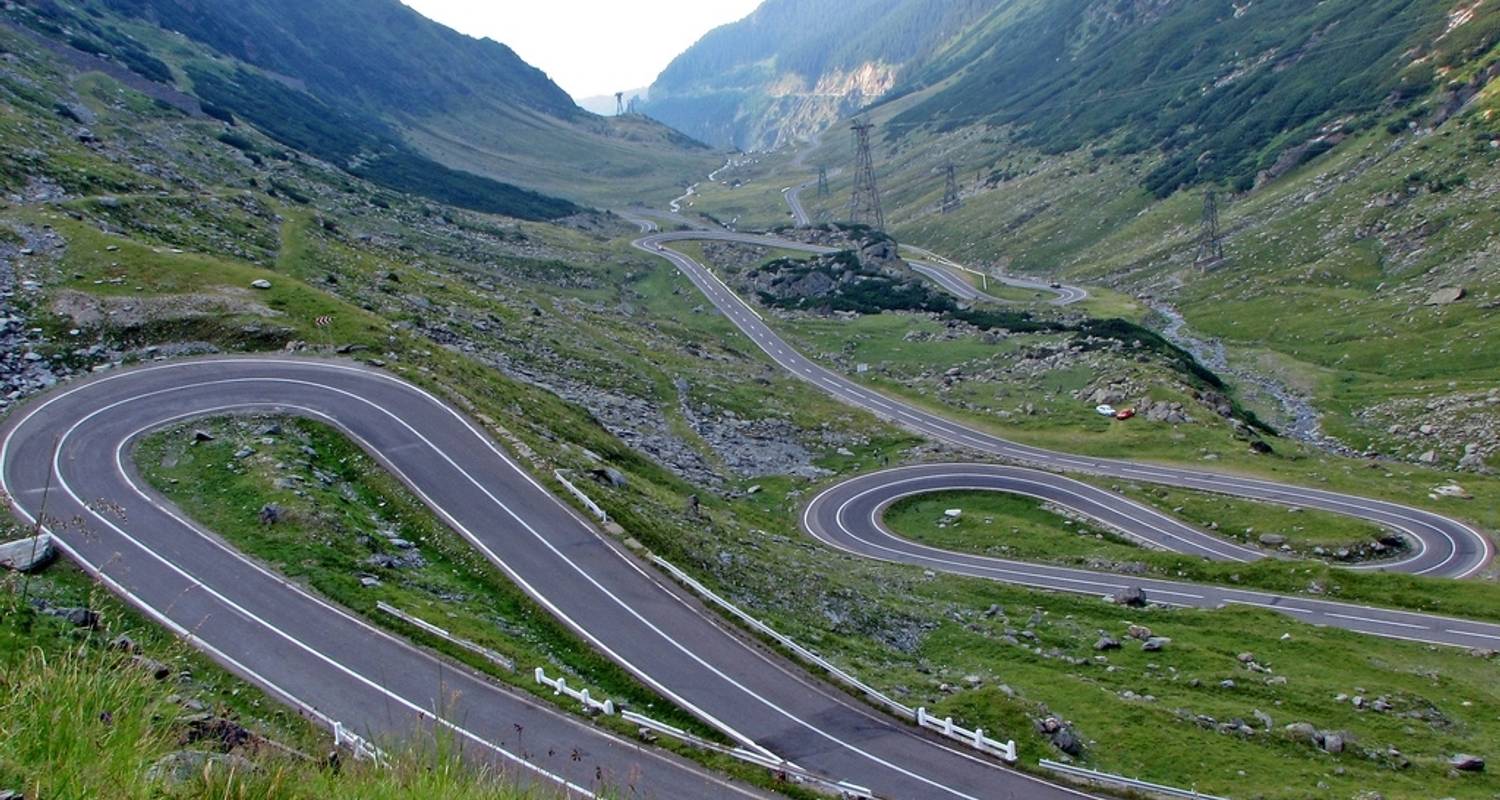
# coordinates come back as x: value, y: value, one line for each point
x: 847, y: 515
x: 334, y: 667
x: 67, y: 456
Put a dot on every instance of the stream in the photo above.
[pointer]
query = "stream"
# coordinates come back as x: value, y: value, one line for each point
x: 1298, y: 418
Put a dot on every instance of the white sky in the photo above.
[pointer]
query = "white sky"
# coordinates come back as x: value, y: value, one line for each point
x: 590, y: 47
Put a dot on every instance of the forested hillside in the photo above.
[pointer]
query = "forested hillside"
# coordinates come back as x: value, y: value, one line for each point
x: 1221, y: 89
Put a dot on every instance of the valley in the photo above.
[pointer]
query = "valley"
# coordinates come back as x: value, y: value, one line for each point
x: 382, y: 424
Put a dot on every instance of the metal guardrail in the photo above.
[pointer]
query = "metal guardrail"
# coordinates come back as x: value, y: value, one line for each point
x: 975, y: 739
x: 786, y: 769
x: 582, y: 498
x: 427, y: 627
x: 1124, y: 782
x: 560, y: 686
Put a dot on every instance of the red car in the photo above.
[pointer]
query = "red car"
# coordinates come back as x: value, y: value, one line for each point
x: 1125, y: 413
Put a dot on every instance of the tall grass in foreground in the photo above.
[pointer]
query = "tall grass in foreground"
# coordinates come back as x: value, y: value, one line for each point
x: 87, y: 722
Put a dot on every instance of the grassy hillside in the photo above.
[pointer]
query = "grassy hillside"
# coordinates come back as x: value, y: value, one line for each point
x: 402, y: 102
x: 117, y: 708
x: 1334, y: 250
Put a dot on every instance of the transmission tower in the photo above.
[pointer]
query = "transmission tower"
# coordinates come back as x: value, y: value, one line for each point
x: 619, y: 104
x: 1210, y: 243
x: 951, y: 201
x: 822, y: 181
x: 864, y: 204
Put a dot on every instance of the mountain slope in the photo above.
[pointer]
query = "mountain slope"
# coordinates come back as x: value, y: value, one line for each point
x: 374, y: 54
x: 793, y: 66
x: 1220, y: 88
x: 392, y: 96
x: 1354, y: 149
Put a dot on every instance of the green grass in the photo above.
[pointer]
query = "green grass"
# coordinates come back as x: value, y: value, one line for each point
x: 1006, y: 526
x: 80, y: 718
x: 340, y: 511
x: 1245, y: 521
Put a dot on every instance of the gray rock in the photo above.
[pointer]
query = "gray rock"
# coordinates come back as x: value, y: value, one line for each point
x: 202, y: 436
x: 1332, y: 742
x: 1463, y: 762
x: 1302, y: 731
x: 1155, y: 644
x: 260, y: 283
x: 1446, y: 296
x: 1107, y: 643
x: 77, y: 617
x: 610, y: 476
x: 1131, y: 596
x: 29, y: 554
x: 186, y: 765
x: 1272, y: 539
x: 270, y: 514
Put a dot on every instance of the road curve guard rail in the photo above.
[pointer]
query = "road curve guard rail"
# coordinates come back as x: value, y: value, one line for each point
x: 976, y: 739
x: 441, y: 633
x: 582, y: 498
x: 358, y: 745
x: 1121, y: 782
x: 559, y: 685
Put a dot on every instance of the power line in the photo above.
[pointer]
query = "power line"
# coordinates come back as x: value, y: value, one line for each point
x: 864, y: 202
x: 822, y: 181
x: 1210, y: 242
x: 951, y: 200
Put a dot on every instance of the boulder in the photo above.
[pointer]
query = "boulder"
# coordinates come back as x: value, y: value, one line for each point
x: 1272, y: 539
x: 1155, y: 643
x: 610, y: 476
x: 75, y: 616
x: 1302, y: 731
x: 186, y: 765
x: 1446, y: 296
x: 1131, y: 596
x: 1464, y: 762
x: 29, y: 554
x: 260, y: 283
x: 1107, y: 643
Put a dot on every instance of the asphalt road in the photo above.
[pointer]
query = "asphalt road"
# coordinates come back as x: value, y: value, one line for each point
x: 1441, y: 546
x: 334, y: 667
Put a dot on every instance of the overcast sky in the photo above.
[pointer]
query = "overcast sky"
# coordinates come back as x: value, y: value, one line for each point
x: 590, y: 47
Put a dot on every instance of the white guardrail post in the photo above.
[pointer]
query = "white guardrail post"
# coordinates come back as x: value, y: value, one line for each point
x: 362, y: 749
x: 559, y: 686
